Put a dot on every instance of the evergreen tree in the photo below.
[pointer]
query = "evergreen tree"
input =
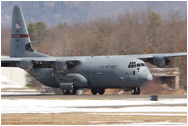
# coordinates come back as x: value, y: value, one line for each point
x: 37, y: 32
x: 31, y: 30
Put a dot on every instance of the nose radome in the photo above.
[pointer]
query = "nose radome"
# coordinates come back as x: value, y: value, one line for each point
x: 149, y: 77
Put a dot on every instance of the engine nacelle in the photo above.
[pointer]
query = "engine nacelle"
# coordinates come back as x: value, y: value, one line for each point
x: 67, y: 66
x: 26, y: 64
x: 61, y: 66
x: 159, y: 61
x: 79, y: 80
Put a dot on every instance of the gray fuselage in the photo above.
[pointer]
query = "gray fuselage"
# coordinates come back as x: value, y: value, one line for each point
x: 100, y: 72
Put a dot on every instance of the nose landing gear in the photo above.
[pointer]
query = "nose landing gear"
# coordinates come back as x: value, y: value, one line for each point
x: 135, y: 91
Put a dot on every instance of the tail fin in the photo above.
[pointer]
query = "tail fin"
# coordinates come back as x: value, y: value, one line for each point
x: 20, y: 40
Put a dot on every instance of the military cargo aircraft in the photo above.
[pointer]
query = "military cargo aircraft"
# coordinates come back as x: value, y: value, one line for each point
x: 128, y: 72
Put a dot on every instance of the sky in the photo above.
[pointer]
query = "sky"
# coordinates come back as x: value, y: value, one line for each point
x: 78, y: 12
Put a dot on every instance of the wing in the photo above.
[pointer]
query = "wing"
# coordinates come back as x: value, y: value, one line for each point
x: 160, y: 60
x: 149, y: 56
x: 39, y: 62
x: 9, y: 62
x: 16, y: 62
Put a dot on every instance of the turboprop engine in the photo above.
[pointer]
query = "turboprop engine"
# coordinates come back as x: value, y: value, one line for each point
x: 159, y: 61
x: 26, y: 64
x: 69, y: 72
x: 67, y: 66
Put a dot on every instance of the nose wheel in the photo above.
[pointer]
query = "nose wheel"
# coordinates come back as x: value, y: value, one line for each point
x: 135, y: 91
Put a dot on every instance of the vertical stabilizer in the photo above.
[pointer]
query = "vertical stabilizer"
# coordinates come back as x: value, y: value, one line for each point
x: 20, y: 40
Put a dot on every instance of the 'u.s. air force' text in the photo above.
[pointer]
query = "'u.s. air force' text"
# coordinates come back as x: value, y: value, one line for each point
x: 108, y: 66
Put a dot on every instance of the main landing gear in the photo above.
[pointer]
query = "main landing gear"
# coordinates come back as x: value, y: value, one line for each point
x: 135, y: 91
x: 95, y: 91
x: 70, y: 92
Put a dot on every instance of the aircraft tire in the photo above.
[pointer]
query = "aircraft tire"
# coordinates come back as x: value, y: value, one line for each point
x: 138, y: 91
x: 66, y: 92
x: 101, y: 91
x: 94, y: 91
x: 73, y: 91
x: 133, y: 91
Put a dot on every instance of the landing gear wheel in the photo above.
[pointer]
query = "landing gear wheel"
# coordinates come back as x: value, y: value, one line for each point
x: 101, y: 91
x: 138, y: 91
x: 73, y: 91
x: 66, y: 92
x: 94, y: 91
x: 135, y: 90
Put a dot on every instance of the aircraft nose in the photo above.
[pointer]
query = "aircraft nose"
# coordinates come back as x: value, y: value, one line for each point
x: 149, y: 77
x: 145, y: 76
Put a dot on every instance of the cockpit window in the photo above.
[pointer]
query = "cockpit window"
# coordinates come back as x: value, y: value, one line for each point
x: 138, y: 65
x: 132, y: 65
x: 141, y: 65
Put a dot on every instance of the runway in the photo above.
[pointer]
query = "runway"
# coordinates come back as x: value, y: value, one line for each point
x: 93, y: 110
x: 94, y: 97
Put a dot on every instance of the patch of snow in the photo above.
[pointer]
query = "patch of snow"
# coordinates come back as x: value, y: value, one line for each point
x: 121, y: 92
x: 60, y: 106
x: 20, y: 93
x: 4, y: 80
x: 11, y: 86
x: 22, y: 90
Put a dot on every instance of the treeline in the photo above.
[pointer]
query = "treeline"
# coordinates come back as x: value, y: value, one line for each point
x: 140, y: 32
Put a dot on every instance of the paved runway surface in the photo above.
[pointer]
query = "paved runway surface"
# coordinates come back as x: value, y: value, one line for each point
x: 85, y: 97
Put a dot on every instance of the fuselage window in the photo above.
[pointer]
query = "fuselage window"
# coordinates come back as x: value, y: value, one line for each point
x: 133, y: 72
x: 142, y: 64
x: 134, y: 64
